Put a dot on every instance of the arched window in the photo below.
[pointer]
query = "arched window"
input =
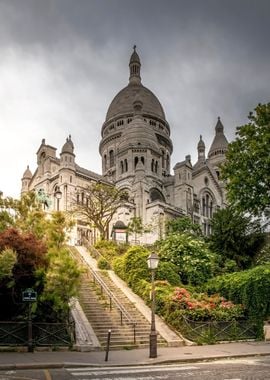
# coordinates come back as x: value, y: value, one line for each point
x: 207, y: 205
x: 142, y: 160
x: 163, y: 159
x: 152, y: 165
x: 111, y: 158
x: 105, y: 161
x: 126, y: 165
x: 122, y: 167
x: 136, y: 160
x: 167, y: 163
x: 156, y: 167
x: 155, y: 195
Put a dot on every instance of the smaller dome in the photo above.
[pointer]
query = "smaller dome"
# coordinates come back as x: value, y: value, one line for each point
x: 220, y: 143
x: 27, y: 174
x: 201, y: 143
x: 68, y: 147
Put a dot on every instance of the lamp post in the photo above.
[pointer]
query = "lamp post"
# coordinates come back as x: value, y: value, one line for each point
x: 152, y: 262
x: 58, y: 196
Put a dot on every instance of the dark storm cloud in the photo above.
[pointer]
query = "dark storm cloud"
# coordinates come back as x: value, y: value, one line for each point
x: 62, y: 62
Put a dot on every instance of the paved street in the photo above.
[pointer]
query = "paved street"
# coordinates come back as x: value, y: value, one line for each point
x: 229, y: 369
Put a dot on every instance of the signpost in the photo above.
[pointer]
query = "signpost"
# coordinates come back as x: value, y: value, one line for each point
x: 29, y: 295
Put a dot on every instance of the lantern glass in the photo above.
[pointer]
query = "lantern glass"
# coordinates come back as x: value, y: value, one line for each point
x: 152, y: 261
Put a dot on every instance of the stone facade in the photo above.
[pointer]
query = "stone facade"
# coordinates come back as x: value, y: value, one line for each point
x: 136, y: 153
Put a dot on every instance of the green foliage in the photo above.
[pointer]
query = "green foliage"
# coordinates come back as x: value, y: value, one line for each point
x: 6, y: 220
x: 109, y: 249
x: 8, y: 259
x: 168, y: 272
x: 62, y: 279
x: 136, y: 227
x: 29, y: 215
x: 30, y: 257
x: 132, y: 267
x: 247, y: 169
x: 235, y: 237
x: 56, y: 228
x: 39, y: 260
x: 184, y: 225
x: 190, y: 255
x: 264, y: 255
x: 250, y: 288
x: 103, y: 264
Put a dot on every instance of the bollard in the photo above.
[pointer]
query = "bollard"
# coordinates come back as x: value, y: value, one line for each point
x: 108, y: 345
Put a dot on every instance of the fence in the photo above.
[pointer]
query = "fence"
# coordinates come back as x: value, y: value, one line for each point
x: 216, y: 331
x: 44, y: 334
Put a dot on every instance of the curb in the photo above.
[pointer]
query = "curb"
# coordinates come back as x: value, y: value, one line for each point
x: 48, y: 365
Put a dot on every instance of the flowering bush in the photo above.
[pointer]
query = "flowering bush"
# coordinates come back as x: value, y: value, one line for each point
x: 200, y: 306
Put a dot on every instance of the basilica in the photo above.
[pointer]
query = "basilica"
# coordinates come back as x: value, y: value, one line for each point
x: 136, y: 150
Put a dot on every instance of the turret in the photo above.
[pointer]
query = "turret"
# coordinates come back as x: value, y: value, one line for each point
x: 218, y: 149
x: 67, y: 154
x: 201, y: 150
x: 26, y: 179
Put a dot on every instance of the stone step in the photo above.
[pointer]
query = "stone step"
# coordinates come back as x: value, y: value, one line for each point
x: 96, y: 307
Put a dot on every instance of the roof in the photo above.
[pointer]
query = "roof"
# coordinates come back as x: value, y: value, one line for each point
x: 68, y: 147
x: 220, y: 143
x: 27, y: 174
x: 123, y: 102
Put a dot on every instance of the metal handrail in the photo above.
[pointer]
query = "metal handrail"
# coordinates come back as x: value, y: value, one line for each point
x: 112, y: 297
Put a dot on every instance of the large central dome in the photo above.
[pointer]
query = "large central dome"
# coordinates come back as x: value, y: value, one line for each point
x: 123, y: 102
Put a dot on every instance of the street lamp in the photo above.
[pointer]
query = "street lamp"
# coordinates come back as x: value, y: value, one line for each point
x: 152, y: 262
x: 58, y: 196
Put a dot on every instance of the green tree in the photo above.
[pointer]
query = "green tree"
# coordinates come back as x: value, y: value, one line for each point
x: 247, y: 168
x: 236, y: 237
x: 62, y: 279
x: 98, y: 205
x: 25, y: 214
x: 7, y: 261
x: 22, y: 270
x: 56, y: 229
x: 191, y: 256
x: 183, y: 224
x: 136, y: 227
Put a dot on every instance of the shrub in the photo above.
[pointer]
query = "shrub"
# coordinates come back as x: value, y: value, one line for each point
x: 250, y: 288
x: 132, y: 267
x: 200, y: 306
x: 109, y: 249
x: 168, y: 272
x: 103, y: 264
x: 190, y: 255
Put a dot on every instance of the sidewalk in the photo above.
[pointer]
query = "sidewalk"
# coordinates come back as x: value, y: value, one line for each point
x: 185, y: 354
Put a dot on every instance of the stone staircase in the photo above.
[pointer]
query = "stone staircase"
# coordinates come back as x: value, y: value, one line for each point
x: 104, y: 315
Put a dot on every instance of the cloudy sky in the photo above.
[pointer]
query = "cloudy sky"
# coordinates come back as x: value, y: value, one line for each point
x: 62, y: 62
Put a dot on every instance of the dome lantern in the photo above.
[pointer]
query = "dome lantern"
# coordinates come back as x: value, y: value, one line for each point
x: 134, y: 68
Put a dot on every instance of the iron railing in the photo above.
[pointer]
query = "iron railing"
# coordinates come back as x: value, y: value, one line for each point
x: 216, y: 331
x: 113, y: 300
x: 43, y: 334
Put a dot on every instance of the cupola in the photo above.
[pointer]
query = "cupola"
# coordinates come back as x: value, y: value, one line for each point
x: 134, y: 68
